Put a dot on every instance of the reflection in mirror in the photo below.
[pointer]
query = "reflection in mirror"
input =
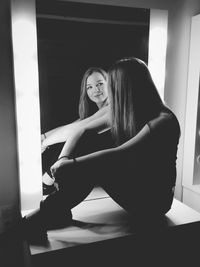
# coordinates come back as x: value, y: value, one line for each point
x: 73, y: 37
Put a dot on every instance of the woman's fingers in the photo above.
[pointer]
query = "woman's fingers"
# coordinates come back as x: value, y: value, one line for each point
x: 55, y: 167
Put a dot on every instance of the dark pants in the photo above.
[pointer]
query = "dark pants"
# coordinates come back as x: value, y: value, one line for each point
x: 74, y: 185
x: 125, y: 177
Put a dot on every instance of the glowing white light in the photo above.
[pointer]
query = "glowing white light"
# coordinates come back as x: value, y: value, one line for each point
x: 27, y: 102
x: 157, y: 48
x: 24, y: 39
x: 29, y: 78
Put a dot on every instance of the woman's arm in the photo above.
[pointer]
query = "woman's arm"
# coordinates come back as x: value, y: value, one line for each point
x: 97, y: 125
x: 133, y: 143
x: 158, y: 126
x: 103, y: 155
x: 136, y: 140
x: 57, y: 135
x: 60, y: 134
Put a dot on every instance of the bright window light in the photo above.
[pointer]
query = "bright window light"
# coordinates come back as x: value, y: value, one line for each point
x: 157, y: 47
x: 27, y: 102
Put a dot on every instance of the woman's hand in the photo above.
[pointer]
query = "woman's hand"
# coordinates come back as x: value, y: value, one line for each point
x: 43, y: 146
x: 58, y: 164
x: 42, y: 137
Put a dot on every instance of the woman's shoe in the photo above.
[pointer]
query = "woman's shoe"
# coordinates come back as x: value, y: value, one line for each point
x: 33, y: 229
x: 36, y: 224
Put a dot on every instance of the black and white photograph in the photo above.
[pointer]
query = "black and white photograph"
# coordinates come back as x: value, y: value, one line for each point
x: 100, y: 133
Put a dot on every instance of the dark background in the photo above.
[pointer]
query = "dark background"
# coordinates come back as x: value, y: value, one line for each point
x: 75, y: 36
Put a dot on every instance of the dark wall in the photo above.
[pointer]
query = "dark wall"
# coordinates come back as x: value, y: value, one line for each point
x: 9, y: 182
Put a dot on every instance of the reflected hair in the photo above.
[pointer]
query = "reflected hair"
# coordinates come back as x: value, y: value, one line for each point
x: 86, y: 106
x: 133, y: 97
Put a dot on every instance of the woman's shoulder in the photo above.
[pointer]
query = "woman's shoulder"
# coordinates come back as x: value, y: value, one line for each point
x: 165, y: 120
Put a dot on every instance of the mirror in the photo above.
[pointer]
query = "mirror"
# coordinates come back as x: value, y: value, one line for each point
x: 75, y: 36
x: 53, y: 99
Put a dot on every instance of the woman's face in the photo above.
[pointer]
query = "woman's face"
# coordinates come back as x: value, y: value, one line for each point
x: 96, y: 87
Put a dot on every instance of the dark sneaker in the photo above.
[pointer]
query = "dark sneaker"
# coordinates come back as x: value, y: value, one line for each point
x: 34, y: 233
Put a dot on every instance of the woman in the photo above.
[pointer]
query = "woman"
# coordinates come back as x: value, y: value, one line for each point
x: 93, y: 104
x: 139, y: 173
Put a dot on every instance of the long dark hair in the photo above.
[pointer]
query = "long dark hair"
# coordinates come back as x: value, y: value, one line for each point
x: 133, y: 97
x: 86, y: 106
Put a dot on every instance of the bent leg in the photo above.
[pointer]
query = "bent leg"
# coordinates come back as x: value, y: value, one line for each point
x: 131, y: 182
x: 50, y: 156
x: 55, y: 210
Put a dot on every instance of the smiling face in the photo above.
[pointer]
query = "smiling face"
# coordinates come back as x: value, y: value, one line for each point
x: 96, y: 87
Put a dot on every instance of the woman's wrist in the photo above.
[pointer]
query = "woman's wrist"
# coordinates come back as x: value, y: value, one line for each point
x: 44, y: 136
x: 74, y: 160
x: 67, y: 158
x: 44, y: 140
x: 63, y: 157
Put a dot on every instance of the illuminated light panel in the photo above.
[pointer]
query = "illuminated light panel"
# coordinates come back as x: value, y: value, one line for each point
x: 157, y: 47
x: 27, y: 102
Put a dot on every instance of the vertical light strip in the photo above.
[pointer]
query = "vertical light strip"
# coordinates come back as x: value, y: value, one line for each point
x: 27, y: 101
x: 192, y: 108
x: 157, y: 47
